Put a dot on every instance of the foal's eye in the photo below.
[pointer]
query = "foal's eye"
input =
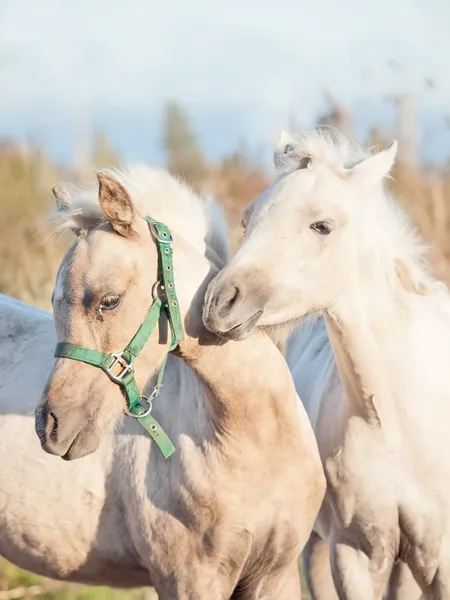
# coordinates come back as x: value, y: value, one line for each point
x: 322, y: 227
x: 243, y: 228
x: 110, y: 302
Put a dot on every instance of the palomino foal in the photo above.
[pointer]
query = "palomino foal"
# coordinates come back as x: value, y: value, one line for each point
x: 228, y: 513
x: 372, y: 365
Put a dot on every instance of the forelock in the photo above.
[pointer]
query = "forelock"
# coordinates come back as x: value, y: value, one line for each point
x: 323, y: 145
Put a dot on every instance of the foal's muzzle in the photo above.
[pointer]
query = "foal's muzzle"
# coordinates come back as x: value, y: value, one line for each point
x: 230, y: 310
x: 69, y: 436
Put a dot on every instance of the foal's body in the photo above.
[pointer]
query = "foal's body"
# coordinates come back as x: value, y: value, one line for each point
x: 371, y: 367
x: 351, y: 469
x: 96, y: 520
x: 229, y: 512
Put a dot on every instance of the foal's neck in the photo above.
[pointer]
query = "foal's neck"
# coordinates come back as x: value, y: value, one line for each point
x: 249, y: 388
x: 369, y: 337
x: 248, y: 385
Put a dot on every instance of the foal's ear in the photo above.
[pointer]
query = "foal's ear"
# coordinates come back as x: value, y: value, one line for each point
x: 62, y: 197
x: 371, y: 171
x: 116, y: 204
x: 286, y: 156
x: 64, y: 203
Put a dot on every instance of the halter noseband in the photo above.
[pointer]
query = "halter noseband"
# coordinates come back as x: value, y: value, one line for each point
x: 124, y: 360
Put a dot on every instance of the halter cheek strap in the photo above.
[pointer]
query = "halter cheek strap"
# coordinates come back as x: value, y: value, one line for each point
x: 119, y: 366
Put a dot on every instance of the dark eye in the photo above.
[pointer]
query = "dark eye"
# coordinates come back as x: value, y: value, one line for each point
x: 110, y: 302
x: 322, y: 227
x: 243, y: 227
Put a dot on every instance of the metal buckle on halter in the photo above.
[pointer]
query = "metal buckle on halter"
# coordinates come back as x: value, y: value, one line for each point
x: 165, y: 238
x: 126, y: 367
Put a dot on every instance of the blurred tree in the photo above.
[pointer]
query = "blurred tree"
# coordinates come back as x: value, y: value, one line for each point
x: 337, y: 116
x: 236, y: 181
x: 378, y: 137
x: 103, y: 154
x: 184, y: 156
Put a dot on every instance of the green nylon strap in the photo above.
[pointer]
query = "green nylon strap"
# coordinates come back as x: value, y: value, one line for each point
x: 125, y: 359
x: 149, y: 423
x: 164, y: 240
x: 143, y: 333
x: 90, y: 357
x: 135, y: 407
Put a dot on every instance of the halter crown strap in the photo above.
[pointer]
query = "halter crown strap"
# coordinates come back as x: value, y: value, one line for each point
x: 164, y: 240
x: 119, y: 366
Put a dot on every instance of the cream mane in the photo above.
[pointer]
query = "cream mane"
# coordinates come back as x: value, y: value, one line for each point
x: 157, y: 194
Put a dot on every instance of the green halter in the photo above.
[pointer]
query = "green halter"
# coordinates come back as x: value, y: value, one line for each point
x: 124, y: 360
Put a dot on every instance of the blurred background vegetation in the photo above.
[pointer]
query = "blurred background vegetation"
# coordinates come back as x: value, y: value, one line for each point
x: 29, y: 258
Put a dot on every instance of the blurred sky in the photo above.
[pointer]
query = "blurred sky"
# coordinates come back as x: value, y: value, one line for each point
x: 239, y: 66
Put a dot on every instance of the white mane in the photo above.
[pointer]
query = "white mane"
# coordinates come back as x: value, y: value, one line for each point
x: 157, y: 194
x: 385, y: 219
x: 325, y: 145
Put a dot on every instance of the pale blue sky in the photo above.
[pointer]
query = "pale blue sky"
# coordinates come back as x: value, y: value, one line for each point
x: 239, y: 66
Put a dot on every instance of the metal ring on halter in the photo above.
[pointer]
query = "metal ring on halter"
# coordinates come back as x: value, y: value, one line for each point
x: 146, y: 412
x: 155, y: 289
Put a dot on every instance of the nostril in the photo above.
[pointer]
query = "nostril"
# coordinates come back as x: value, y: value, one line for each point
x: 228, y: 302
x: 40, y: 421
x: 52, y: 427
x: 46, y: 424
